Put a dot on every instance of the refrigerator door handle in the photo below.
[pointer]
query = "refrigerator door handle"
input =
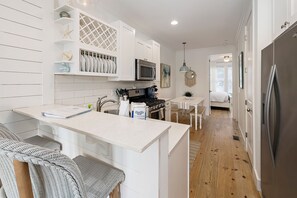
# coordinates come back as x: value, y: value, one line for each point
x: 278, y: 110
x: 267, y: 109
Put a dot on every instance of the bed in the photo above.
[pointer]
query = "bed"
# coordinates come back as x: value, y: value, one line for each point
x: 220, y: 99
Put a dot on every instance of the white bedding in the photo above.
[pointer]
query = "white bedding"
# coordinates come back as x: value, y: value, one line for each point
x: 219, y: 96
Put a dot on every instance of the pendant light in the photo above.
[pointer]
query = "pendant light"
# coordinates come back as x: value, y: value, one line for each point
x: 184, y: 68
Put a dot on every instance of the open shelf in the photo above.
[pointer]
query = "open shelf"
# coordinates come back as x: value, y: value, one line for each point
x: 86, y: 74
x: 63, y: 62
x: 64, y: 41
x: 66, y: 8
x: 64, y: 20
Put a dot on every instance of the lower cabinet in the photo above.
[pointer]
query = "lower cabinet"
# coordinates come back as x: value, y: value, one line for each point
x: 179, y: 169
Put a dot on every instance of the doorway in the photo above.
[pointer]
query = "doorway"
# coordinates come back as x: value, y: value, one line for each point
x: 220, y: 81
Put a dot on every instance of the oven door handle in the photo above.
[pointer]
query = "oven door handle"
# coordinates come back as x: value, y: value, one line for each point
x: 158, y: 110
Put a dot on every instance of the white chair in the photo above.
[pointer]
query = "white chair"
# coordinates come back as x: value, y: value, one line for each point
x: 175, y: 110
x: 201, y: 112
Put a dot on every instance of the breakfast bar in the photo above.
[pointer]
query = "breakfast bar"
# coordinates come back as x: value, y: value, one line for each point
x: 141, y: 148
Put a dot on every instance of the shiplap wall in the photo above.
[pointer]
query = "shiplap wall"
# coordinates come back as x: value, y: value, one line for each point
x: 21, y: 47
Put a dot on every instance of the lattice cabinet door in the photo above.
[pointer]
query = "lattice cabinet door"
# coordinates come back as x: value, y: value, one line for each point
x: 97, y: 34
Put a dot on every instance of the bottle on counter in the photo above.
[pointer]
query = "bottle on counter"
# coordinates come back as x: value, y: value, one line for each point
x: 124, y: 106
x: 138, y: 110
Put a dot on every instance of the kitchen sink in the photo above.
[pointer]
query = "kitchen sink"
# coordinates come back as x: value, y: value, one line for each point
x: 112, y: 111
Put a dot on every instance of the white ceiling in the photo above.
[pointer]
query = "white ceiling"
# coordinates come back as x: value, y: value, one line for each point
x: 202, y: 23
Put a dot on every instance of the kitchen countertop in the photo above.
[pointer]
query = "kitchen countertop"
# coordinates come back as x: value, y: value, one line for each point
x: 176, y: 132
x: 133, y: 134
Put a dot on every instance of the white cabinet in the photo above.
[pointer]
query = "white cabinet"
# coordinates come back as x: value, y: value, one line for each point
x: 293, y: 10
x: 156, y: 58
x: 85, y: 45
x: 143, y: 51
x: 126, y: 52
x: 284, y: 15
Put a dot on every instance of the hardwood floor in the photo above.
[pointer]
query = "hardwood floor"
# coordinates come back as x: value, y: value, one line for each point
x: 222, y: 167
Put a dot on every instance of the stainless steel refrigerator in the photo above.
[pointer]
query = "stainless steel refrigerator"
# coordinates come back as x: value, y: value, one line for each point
x: 279, y: 117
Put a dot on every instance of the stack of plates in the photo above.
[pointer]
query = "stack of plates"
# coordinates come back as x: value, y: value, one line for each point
x: 89, y: 63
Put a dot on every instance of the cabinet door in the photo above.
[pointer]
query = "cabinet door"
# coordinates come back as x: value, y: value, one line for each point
x: 148, y: 53
x: 127, y: 53
x: 156, y: 59
x: 293, y: 11
x: 139, y: 50
x: 280, y: 16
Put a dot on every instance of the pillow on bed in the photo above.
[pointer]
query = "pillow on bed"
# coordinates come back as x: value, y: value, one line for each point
x: 219, y: 96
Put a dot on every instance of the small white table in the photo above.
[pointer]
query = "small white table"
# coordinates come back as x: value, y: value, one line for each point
x: 189, y: 101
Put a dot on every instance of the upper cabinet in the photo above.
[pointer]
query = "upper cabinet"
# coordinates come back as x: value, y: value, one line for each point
x: 143, y: 51
x: 126, y: 51
x: 156, y: 57
x: 85, y: 45
x: 284, y: 15
x: 293, y: 10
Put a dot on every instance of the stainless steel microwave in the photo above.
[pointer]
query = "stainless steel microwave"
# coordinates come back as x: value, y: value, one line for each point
x: 144, y: 70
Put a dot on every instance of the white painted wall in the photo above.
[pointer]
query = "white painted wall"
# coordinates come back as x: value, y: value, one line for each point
x: 198, y: 60
x: 262, y: 34
x: 262, y: 17
x: 241, y: 92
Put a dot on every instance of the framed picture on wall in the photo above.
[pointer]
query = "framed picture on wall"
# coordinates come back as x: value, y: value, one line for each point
x: 241, y: 70
x: 165, y: 75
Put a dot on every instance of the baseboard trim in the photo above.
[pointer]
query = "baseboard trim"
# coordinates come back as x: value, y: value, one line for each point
x: 257, y: 180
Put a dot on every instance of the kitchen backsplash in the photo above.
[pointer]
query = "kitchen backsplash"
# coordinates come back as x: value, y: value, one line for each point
x: 80, y: 90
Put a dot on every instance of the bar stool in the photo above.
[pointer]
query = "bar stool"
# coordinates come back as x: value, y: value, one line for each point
x: 36, y: 140
x: 175, y: 110
x: 53, y: 174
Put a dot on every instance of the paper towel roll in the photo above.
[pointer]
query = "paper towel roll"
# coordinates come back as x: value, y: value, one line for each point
x: 124, y: 108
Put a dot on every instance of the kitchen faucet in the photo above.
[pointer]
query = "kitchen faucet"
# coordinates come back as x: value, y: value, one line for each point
x: 100, y: 103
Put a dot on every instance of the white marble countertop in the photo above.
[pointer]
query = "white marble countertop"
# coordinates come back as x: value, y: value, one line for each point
x: 128, y: 133
x: 176, y: 132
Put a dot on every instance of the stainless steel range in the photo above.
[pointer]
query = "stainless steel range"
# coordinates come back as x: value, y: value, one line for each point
x: 156, y: 107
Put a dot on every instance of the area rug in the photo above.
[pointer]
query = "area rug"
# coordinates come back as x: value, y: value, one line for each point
x: 194, y: 148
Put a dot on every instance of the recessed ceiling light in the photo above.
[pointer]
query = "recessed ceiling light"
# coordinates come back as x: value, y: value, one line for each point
x: 174, y: 22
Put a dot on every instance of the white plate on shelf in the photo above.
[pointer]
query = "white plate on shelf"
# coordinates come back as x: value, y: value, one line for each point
x: 87, y: 63
x: 82, y: 63
x: 111, y: 66
x: 104, y: 68
x: 95, y: 64
x: 91, y: 64
x: 114, y: 67
x: 100, y: 67
x: 98, y: 64
x: 108, y: 66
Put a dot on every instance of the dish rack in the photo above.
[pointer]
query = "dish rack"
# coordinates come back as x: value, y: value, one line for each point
x: 97, y: 63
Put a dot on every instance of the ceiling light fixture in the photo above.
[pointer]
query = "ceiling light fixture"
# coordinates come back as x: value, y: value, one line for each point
x: 85, y: 2
x: 184, y: 67
x: 226, y: 59
x: 174, y: 22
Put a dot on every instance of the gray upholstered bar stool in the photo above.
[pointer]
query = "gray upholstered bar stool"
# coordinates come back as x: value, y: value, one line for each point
x: 53, y: 174
x: 37, y: 140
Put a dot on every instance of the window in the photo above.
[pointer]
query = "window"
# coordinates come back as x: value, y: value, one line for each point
x: 221, y: 77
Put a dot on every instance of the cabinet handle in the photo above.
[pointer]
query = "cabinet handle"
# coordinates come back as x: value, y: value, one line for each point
x: 285, y: 24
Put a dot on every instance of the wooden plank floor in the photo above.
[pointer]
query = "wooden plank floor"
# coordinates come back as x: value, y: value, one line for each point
x: 222, y: 167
